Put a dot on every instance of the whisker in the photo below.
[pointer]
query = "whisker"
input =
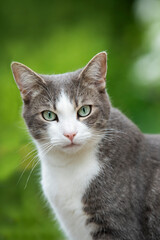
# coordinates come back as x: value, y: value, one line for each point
x: 29, y: 155
x: 30, y: 174
x: 25, y: 170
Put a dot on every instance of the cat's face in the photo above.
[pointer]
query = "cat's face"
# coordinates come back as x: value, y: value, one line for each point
x: 65, y: 112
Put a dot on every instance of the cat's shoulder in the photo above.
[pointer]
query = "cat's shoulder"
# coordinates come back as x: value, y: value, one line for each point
x: 120, y: 121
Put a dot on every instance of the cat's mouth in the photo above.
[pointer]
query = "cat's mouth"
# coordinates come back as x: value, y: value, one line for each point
x: 71, y: 145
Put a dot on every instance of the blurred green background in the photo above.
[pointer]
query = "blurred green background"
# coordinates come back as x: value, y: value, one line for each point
x: 55, y: 37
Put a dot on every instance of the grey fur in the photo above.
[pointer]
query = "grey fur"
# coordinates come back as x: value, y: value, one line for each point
x: 123, y: 201
x: 126, y: 203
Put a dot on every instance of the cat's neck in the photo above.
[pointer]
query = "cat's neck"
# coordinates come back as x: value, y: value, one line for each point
x: 60, y: 169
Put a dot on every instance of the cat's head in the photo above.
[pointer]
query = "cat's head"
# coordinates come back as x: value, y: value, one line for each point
x: 65, y: 112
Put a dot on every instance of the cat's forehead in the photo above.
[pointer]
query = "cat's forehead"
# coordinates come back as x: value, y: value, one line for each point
x: 58, y: 83
x: 64, y: 103
x: 66, y: 89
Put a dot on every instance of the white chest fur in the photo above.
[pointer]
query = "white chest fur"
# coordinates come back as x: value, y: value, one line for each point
x: 64, y: 188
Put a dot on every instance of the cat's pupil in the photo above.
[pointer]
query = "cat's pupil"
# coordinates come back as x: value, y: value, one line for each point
x: 49, y: 114
x: 84, y: 110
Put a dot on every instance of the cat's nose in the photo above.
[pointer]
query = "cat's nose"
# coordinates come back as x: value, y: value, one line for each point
x: 70, y: 136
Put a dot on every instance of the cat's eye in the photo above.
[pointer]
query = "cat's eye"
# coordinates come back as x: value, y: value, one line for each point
x: 49, y: 116
x: 84, y: 111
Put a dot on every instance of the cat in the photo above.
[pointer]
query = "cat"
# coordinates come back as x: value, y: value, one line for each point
x: 100, y: 174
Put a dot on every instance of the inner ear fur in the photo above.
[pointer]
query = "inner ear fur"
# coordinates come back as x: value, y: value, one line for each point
x: 96, y: 70
x: 27, y: 80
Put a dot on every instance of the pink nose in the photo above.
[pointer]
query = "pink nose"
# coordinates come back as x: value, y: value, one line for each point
x: 70, y: 136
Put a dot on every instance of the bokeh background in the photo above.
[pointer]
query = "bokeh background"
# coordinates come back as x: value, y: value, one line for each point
x: 58, y: 36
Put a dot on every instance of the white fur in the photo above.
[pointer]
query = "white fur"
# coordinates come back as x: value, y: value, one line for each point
x: 64, y: 188
x: 66, y: 174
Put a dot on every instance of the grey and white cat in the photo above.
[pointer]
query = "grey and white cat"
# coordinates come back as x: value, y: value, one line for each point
x: 100, y: 174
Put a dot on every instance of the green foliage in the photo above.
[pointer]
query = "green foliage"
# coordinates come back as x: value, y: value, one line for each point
x: 54, y: 37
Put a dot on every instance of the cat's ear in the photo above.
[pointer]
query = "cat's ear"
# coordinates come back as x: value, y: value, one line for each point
x: 96, y: 70
x: 28, y: 81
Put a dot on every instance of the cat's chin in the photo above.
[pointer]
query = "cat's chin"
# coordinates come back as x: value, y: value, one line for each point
x: 71, y: 148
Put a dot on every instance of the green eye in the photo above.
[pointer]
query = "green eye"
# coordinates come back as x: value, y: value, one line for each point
x: 84, y: 111
x: 49, y: 116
